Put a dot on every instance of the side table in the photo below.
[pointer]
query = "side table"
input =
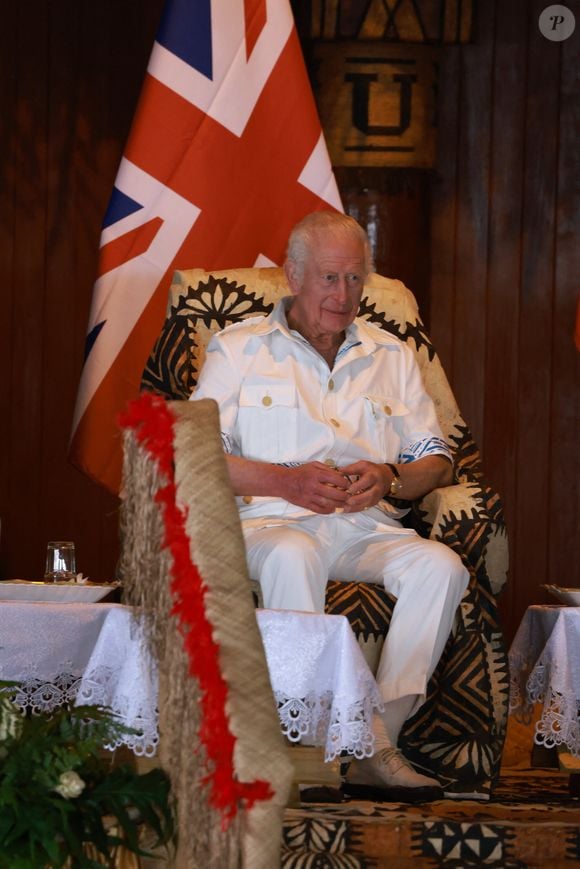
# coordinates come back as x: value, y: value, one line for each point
x: 544, y: 663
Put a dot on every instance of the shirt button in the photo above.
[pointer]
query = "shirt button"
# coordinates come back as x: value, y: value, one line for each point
x: 387, y: 409
x: 331, y: 384
x: 247, y: 499
x: 266, y: 401
x: 330, y: 462
x: 335, y: 423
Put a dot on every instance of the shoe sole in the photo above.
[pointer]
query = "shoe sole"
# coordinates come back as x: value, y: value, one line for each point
x: 393, y: 794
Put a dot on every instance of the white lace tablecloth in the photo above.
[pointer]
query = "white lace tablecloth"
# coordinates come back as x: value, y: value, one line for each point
x: 94, y: 654
x: 81, y: 654
x: 545, y: 668
x: 322, y: 684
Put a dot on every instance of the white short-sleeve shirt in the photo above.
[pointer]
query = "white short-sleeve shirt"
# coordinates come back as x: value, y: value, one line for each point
x: 279, y: 401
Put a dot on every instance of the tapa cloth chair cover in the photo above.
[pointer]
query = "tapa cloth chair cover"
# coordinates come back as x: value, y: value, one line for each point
x: 459, y: 732
x: 156, y: 574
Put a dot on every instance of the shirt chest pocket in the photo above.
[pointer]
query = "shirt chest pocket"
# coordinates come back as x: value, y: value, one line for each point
x: 268, y: 421
x: 386, y: 421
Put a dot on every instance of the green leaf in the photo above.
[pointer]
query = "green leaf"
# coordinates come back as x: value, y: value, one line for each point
x: 38, y: 827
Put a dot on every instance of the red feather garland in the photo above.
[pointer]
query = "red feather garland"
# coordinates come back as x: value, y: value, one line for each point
x: 152, y: 422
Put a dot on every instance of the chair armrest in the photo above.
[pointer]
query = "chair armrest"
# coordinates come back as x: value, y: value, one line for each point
x: 468, y: 517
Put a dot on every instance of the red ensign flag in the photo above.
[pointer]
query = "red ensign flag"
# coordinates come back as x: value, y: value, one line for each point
x: 225, y: 155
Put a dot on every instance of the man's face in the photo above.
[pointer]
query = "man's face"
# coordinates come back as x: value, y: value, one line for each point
x: 327, y: 299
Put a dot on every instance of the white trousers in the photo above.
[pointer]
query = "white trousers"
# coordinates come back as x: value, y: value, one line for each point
x: 293, y: 560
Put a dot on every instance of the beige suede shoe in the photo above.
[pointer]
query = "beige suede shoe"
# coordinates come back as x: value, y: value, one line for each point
x: 388, y: 775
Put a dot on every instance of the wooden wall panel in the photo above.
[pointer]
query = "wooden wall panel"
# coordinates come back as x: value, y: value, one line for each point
x: 504, y: 228
x: 8, y: 95
x: 71, y: 75
x: 57, y: 386
x: 500, y: 436
x: 443, y: 230
x: 469, y: 322
x: 28, y: 298
x: 564, y: 489
x: 536, y: 311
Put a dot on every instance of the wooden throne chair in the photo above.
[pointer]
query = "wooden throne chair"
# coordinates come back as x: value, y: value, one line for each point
x: 458, y: 733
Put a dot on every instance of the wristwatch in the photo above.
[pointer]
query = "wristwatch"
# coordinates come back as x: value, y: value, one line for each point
x: 396, y: 482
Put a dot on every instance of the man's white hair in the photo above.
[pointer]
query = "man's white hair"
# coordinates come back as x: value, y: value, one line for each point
x: 303, y: 238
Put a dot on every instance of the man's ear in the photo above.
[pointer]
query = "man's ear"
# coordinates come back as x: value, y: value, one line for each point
x: 293, y: 282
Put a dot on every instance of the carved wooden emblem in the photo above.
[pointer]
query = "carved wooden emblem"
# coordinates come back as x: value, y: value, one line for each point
x: 377, y: 103
x: 434, y: 22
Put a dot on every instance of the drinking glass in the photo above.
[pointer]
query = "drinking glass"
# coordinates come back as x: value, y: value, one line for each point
x: 60, y: 562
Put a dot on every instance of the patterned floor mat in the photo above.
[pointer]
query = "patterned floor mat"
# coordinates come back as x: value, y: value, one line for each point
x: 531, y: 820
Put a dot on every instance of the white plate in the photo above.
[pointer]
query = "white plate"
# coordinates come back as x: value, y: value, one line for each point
x: 56, y: 592
x: 571, y: 596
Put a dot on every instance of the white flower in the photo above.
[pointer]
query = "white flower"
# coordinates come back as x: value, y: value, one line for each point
x: 70, y: 785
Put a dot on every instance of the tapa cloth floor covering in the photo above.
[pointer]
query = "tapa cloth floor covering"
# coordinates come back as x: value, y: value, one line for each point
x: 531, y: 821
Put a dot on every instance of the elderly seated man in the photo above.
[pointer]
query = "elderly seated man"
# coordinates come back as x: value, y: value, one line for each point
x: 324, y: 419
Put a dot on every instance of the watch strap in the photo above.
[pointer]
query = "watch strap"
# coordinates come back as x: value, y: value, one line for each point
x: 396, y: 484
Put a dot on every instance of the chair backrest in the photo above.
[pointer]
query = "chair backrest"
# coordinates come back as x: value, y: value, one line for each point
x: 202, y: 303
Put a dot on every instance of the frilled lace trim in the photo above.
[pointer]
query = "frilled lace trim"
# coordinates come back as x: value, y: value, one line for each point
x: 36, y: 695
x: 559, y: 724
x: 95, y: 691
x: 319, y: 719
x: 560, y: 720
